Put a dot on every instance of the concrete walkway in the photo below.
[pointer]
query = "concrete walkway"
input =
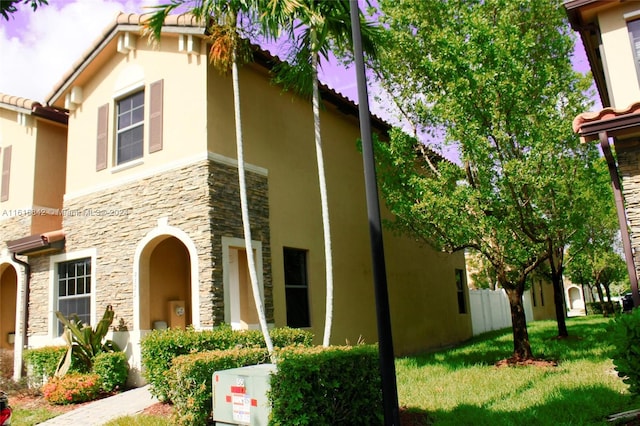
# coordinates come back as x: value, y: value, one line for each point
x: 100, y: 412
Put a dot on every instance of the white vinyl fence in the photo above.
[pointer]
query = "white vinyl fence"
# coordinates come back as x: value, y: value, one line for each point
x: 490, y: 309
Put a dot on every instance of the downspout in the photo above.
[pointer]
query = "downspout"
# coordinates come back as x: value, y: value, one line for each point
x: 622, y: 217
x: 25, y: 310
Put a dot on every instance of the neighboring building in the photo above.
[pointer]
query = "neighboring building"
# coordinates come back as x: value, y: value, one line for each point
x: 151, y: 214
x: 33, y: 153
x: 610, y: 32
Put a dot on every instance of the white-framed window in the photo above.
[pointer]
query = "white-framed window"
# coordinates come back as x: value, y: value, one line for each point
x: 130, y: 128
x: 634, y: 35
x: 73, y: 287
x: 120, y: 142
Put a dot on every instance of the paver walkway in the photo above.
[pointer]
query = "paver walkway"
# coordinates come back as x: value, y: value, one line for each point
x: 103, y: 410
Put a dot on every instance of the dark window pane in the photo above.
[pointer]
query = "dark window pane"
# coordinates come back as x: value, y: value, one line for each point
x: 297, y: 307
x: 296, y: 287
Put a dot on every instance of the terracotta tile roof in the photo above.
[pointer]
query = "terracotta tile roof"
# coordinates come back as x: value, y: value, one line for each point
x: 18, y: 102
x: 34, y: 108
x: 607, y: 118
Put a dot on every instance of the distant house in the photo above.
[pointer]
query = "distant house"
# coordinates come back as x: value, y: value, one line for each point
x: 147, y: 200
x: 610, y: 32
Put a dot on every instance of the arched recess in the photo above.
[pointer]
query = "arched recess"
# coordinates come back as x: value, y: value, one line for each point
x: 575, y: 298
x: 166, y: 279
x: 8, y: 315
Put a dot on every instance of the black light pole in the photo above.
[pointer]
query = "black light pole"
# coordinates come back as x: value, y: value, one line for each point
x: 385, y: 340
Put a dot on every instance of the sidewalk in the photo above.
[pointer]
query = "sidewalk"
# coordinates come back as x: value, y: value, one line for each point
x: 100, y: 412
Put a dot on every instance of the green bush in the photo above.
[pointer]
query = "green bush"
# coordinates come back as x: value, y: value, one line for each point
x: 598, y: 308
x: 327, y: 386
x: 161, y: 346
x: 113, y: 369
x: 72, y: 388
x: 190, y: 380
x: 625, y: 336
x: 42, y: 362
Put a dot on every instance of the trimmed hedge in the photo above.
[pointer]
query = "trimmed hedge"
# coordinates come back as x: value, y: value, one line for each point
x: 327, y: 386
x: 113, y: 369
x: 161, y: 346
x: 42, y: 362
x: 190, y: 380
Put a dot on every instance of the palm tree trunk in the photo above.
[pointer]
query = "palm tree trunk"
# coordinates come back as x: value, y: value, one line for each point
x: 245, y: 209
x: 325, y: 205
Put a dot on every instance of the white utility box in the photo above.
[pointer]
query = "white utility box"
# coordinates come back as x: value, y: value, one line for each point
x: 240, y: 395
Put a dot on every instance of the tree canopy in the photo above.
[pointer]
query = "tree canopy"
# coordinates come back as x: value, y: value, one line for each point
x: 9, y: 7
x: 495, y: 76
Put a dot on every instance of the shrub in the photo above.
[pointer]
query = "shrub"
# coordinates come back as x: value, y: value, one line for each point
x: 190, y: 380
x: 604, y: 308
x: 83, y: 342
x: 326, y: 386
x: 625, y: 336
x: 42, y: 362
x: 161, y: 346
x: 113, y: 369
x: 72, y: 388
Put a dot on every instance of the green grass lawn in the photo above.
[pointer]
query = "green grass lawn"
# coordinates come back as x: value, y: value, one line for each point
x: 461, y: 386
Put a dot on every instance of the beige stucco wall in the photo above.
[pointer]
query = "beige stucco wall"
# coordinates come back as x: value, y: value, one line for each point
x: 620, y: 68
x: 545, y: 307
x: 38, y: 169
x: 184, y: 110
x: 278, y: 136
x: 22, y: 139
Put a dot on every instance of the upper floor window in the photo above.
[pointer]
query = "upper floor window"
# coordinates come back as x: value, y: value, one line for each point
x: 130, y: 125
x: 129, y: 145
x: 634, y: 34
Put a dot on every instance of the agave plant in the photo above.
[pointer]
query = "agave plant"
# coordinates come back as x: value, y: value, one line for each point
x: 84, y: 342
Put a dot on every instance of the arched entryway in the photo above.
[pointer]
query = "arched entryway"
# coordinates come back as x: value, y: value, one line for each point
x: 8, y: 302
x: 165, y: 284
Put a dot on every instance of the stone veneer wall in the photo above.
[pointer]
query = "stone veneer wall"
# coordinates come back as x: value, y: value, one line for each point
x: 13, y: 228
x: 200, y: 199
x: 226, y: 220
x: 629, y: 168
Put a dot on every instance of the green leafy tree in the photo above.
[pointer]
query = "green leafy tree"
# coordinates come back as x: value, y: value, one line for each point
x: 315, y: 28
x: 228, y: 50
x: 8, y: 7
x: 495, y: 77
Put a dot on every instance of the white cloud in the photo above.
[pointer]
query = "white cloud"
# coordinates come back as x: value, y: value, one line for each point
x: 35, y: 56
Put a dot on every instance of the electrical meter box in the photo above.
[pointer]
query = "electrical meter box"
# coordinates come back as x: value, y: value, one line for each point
x: 240, y: 395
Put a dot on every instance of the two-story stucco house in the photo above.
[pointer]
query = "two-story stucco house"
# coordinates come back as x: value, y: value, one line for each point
x: 610, y: 32
x: 150, y: 209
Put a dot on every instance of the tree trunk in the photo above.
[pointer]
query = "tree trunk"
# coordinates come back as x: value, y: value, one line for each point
x: 323, y: 201
x: 244, y: 207
x: 603, y: 305
x: 608, y: 291
x: 555, y: 263
x: 521, y: 345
